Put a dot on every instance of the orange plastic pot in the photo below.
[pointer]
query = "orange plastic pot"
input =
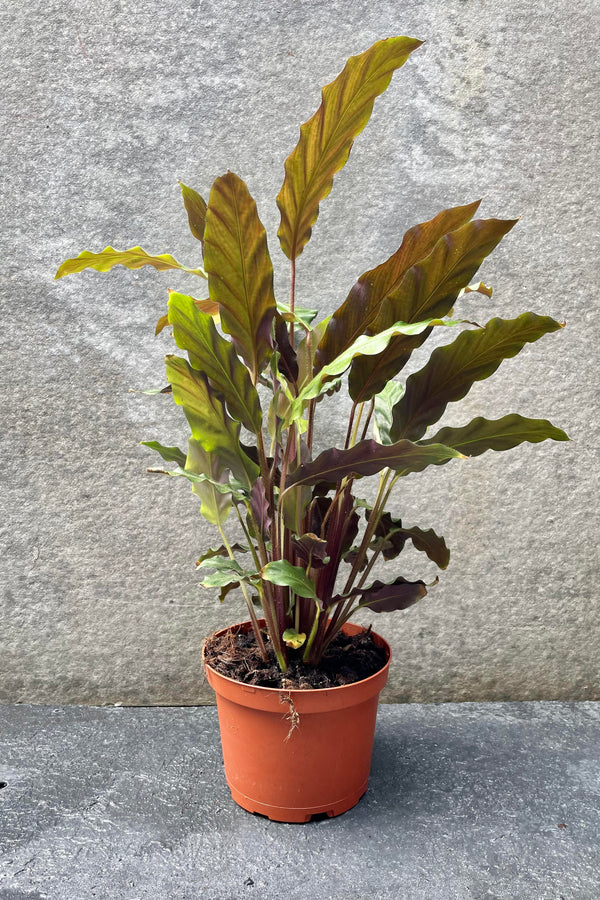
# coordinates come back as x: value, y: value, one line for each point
x: 290, y: 755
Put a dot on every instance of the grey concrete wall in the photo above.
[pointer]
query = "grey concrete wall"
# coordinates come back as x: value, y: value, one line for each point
x: 105, y: 105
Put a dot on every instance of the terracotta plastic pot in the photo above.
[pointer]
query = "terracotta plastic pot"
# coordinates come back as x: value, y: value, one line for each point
x: 290, y: 755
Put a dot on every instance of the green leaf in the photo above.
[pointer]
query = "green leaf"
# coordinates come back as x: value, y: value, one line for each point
x: 195, y: 208
x: 221, y: 580
x: 454, y: 368
x: 358, y: 312
x: 211, y: 354
x: 364, y: 345
x: 303, y: 315
x: 233, y: 489
x: 221, y: 564
x: 384, y: 403
x: 214, y: 430
x: 283, y: 573
x: 240, y: 273
x: 500, y: 434
x: 215, y: 502
x: 134, y: 258
x: 169, y: 454
x: 326, y: 139
x: 429, y: 288
x: 292, y: 639
x: 367, y: 458
x: 226, y: 571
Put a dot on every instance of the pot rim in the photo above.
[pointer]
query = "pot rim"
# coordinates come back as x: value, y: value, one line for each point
x: 305, y: 692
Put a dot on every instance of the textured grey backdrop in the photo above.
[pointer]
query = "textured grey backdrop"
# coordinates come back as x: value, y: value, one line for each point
x: 105, y: 105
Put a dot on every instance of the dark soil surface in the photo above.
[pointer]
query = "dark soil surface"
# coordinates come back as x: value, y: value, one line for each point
x: 349, y: 658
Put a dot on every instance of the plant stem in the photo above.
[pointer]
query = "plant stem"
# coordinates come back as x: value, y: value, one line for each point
x: 350, y: 424
x: 311, y: 422
x: 311, y: 637
x: 248, y: 599
x: 356, y: 425
x: 370, y: 529
x: 292, y: 296
x: 368, y: 420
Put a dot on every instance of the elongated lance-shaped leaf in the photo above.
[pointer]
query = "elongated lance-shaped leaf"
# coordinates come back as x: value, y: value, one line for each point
x: 195, y: 208
x: 169, y: 454
x: 326, y: 139
x: 240, y: 273
x: 363, y: 345
x: 134, y: 258
x: 362, y: 305
x: 395, y: 535
x: 214, y: 430
x: 500, y: 434
x: 367, y: 458
x: 382, y: 597
x: 234, y: 488
x: 429, y: 288
x: 214, y: 505
x: 454, y: 368
x: 215, y: 356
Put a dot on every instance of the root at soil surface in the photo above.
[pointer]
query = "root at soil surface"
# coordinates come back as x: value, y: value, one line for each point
x: 349, y: 658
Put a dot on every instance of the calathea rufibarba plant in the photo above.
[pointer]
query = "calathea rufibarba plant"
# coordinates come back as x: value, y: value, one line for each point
x: 310, y: 541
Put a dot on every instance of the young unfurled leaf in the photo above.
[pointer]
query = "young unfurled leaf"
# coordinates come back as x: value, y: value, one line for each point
x: 212, y: 354
x: 500, y: 434
x: 310, y: 549
x: 400, y: 594
x: 169, y: 454
x: 367, y: 458
x: 303, y: 315
x: 362, y: 305
x: 214, y: 430
x: 429, y: 288
x: 454, y: 368
x: 326, y: 139
x: 240, y: 273
x: 385, y: 401
x: 288, y: 361
x: 260, y: 507
x: 195, y: 208
x: 283, y: 573
x: 292, y: 639
x: 134, y: 258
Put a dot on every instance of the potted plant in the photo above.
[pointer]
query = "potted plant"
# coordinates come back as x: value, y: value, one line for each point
x: 298, y: 682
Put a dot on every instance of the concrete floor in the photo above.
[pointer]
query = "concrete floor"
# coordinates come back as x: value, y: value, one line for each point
x: 466, y: 801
